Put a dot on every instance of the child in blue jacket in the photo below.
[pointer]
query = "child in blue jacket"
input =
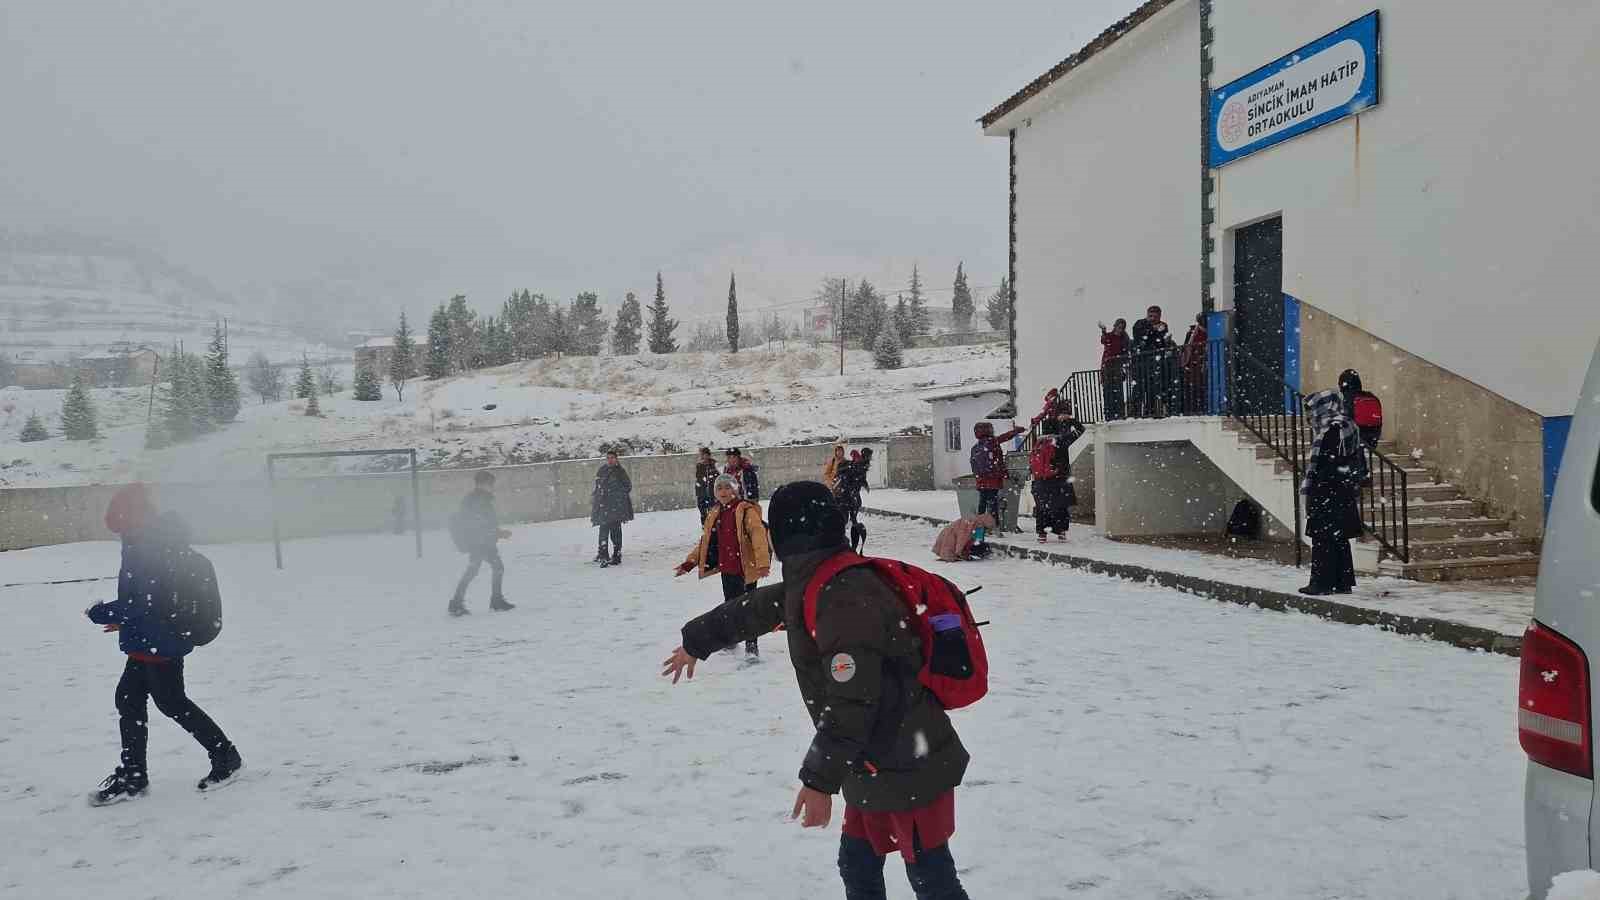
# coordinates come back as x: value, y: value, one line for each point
x: 154, y: 645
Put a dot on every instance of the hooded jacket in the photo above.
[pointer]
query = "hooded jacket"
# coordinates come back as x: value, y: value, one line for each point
x: 611, y: 501
x: 881, y: 737
x: 755, y: 552
x: 146, y: 585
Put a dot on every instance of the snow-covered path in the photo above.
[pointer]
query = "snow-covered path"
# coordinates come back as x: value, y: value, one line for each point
x: 1138, y: 743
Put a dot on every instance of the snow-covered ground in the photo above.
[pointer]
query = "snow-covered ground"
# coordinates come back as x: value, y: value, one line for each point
x: 1138, y: 743
x: 547, y: 409
x: 1501, y: 607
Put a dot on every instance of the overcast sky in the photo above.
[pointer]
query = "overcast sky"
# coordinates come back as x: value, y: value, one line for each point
x: 480, y: 147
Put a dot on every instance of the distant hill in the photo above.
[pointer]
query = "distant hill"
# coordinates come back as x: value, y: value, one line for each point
x: 64, y: 295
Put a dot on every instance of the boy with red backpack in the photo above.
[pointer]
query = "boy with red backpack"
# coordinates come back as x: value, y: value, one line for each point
x: 1361, y: 407
x: 1050, y: 464
x: 988, y: 460
x: 877, y: 676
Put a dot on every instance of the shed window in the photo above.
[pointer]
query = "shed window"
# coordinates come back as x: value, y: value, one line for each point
x: 952, y: 435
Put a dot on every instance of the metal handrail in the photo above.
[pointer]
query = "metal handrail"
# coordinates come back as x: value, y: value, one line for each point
x: 1278, y: 425
x: 1384, y: 504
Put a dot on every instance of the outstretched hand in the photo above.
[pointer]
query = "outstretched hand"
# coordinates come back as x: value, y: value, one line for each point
x: 678, y: 665
x: 682, y: 569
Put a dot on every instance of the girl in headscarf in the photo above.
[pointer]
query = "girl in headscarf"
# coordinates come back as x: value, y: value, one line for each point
x: 1332, y: 487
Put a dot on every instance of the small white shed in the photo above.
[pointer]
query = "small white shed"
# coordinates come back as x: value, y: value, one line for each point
x: 954, y: 413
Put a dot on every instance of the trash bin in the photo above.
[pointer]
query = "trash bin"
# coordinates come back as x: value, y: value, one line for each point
x: 1010, y: 495
x: 967, y: 495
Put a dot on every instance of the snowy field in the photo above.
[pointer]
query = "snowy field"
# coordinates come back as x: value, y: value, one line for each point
x: 526, y: 412
x: 1138, y: 743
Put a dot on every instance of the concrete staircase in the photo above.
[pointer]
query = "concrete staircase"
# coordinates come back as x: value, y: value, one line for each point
x: 1453, y: 537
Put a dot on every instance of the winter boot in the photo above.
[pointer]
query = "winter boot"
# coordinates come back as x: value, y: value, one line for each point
x: 456, y: 609
x: 750, y: 649
x: 616, y: 558
x: 224, y: 763
x: 123, y: 784
x: 499, y: 604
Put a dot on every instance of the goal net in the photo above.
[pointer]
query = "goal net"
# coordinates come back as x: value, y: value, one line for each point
x: 331, y: 492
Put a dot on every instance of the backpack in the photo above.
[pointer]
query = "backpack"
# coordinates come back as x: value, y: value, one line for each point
x: 955, y: 668
x: 1245, y: 521
x: 196, y: 599
x: 1368, y: 413
x: 1041, y: 462
x: 983, y: 461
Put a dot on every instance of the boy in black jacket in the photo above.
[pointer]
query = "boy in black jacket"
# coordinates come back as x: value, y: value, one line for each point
x: 481, y: 532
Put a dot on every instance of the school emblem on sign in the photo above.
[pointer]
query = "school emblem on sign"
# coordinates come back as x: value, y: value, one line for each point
x: 842, y: 667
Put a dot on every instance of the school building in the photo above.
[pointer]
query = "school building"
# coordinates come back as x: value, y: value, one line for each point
x: 1406, y: 190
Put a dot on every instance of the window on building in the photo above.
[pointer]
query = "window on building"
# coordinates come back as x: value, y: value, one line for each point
x: 952, y: 435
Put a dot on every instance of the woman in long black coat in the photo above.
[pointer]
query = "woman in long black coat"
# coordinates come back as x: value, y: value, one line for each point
x: 1332, y: 488
x: 610, y: 506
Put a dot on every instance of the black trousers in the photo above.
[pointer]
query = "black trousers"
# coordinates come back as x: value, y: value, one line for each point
x: 474, y: 563
x: 163, y: 683
x: 734, y: 587
x: 613, y: 533
x: 1332, y: 564
x: 933, y: 876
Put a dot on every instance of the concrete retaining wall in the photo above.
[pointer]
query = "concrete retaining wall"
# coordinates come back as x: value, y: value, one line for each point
x: 308, y: 507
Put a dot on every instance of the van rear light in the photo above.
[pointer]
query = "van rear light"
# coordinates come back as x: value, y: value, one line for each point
x: 1553, y: 721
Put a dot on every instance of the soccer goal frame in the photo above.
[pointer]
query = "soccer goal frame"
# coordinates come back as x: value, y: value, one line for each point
x: 272, y: 489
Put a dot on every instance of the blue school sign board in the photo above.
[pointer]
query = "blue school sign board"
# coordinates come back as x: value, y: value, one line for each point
x: 1328, y: 79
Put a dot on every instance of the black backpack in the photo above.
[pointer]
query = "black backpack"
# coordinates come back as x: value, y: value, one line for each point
x: 196, y: 598
x: 1245, y: 521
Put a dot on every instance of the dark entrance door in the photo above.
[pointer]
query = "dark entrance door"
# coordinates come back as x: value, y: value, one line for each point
x: 1258, y: 315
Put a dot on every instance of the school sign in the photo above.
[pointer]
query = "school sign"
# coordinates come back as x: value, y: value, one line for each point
x: 1326, y: 80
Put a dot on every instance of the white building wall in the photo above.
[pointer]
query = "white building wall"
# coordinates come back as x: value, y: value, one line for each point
x: 1456, y: 218
x: 948, y: 464
x: 1108, y: 198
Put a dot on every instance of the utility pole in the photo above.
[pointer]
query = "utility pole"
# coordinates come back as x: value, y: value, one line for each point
x: 838, y: 325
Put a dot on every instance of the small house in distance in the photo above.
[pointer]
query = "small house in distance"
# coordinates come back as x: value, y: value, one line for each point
x: 955, y: 411
x: 378, y: 351
x: 120, y: 365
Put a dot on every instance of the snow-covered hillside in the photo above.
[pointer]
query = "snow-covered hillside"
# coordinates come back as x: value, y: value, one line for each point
x: 528, y: 412
x: 67, y: 295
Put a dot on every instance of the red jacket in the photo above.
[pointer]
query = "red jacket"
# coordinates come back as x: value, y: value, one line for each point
x: 997, y: 453
x: 1114, y: 345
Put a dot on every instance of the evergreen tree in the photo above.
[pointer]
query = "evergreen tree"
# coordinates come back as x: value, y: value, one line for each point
x: 77, y: 414
x: 733, y: 316
x: 305, y: 387
x: 866, y: 315
x: 185, y: 404
x: 266, y: 380
x: 904, y: 323
x: 463, y: 347
x: 558, y: 333
x: 313, y: 408
x: 34, y: 429
x: 886, y: 352
x: 222, y: 386
x: 587, y: 325
x: 999, y: 308
x: 438, y: 362
x: 661, y: 325
x: 625, y: 333
x: 402, y: 361
x: 921, y: 324
x: 366, y: 385
x: 961, y: 307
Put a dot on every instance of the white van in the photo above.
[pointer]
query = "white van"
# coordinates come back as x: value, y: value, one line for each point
x: 1556, y: 701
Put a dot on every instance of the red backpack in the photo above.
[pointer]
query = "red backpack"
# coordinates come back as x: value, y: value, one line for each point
x: 955, y: 667
x: 1041, y: 462
x: 1368, y: 411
